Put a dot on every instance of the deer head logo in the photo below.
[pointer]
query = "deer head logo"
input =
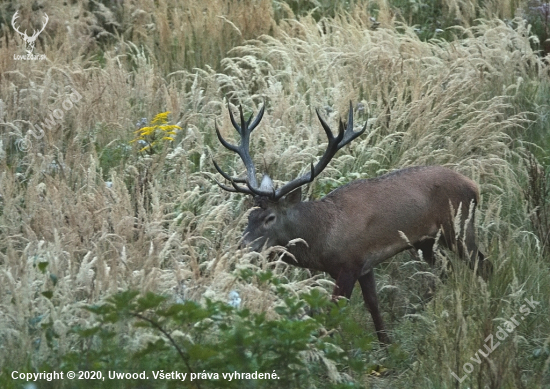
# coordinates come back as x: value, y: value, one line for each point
x: 29, y: 40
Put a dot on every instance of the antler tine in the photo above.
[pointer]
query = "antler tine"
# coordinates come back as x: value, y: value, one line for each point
x: 290, y: 186
x: 234, y: 181
x: 227, y: 176
x: 233, y: 121
x: 349, y: 134
x: 236, y: 188
x: 225, y: 187
x: 245, y: 124
x: 334, y: 144
x: 226, y: 144
x: 257, y: 120
x: 241, y: 189
x: 327, y: 129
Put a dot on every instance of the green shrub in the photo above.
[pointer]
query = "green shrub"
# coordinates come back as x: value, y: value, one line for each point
x: 208, y: 343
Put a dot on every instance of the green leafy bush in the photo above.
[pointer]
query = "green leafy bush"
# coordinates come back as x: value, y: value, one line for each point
x: 207, y: 344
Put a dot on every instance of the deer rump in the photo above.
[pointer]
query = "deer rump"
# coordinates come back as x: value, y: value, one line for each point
x: 361, y: 224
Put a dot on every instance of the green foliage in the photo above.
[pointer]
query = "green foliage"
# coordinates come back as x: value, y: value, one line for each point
x: 114, y: 155
x: 427, y: 15
x: 217, y: 338
x: 318, y: 8
x: 533, y: 97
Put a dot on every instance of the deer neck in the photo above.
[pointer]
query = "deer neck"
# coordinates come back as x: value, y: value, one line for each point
x: 309, y: 221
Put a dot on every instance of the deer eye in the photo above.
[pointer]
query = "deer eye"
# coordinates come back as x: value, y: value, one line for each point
x: 269, y: 220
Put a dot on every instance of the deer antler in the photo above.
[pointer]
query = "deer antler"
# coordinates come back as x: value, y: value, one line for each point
x: 266, y: 189
x: 344, y: 137
x: 244, y: 130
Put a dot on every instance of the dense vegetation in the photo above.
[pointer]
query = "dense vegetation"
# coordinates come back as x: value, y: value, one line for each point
x: 118, y: 251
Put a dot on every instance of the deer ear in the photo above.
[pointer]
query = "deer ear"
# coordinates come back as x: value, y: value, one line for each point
x: 294, y: 197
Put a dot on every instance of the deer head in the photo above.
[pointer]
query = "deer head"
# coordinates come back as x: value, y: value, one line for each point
x: 266, y: 223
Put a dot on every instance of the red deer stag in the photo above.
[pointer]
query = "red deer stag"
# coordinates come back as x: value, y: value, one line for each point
x: 361, y: 224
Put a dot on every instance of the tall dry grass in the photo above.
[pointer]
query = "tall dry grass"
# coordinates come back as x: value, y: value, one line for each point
x: 160, y: 223
x: 173, y: 34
